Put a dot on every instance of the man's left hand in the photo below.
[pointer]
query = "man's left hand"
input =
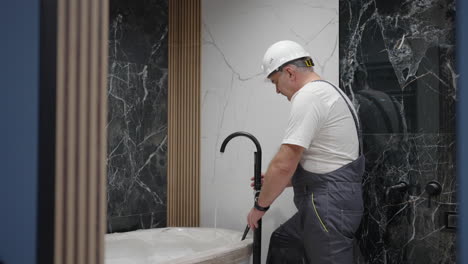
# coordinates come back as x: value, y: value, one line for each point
x: 253, y: 217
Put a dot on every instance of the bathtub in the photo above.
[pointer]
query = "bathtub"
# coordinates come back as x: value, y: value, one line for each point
x: 177, y: 246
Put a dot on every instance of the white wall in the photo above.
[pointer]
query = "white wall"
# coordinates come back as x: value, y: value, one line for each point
x: 235, y: 97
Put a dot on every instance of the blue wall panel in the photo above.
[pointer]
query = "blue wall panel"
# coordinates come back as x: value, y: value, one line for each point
x: 19, y: 82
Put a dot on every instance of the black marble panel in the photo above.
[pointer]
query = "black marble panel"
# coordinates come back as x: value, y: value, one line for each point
x: 397, y: 64
x: 137, y: 117
x: 407, y: 225
x: 404, y: 49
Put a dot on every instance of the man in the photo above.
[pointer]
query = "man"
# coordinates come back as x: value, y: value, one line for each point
x: 320, y: 157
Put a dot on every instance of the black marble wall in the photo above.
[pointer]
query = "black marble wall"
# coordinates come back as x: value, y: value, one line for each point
x: 137, y: 117
x: 397, y: 62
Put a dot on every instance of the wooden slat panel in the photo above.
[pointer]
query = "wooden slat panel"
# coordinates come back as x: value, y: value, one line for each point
x: 80, y: 205
x: 184, y: 113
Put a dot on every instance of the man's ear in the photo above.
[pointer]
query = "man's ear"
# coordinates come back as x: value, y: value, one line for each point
x: 291, y: 72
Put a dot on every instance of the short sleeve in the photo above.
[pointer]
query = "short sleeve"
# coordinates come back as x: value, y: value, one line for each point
x: 307, y: 116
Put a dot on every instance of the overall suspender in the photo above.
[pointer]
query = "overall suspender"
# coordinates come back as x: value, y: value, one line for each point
x: 356, y: 121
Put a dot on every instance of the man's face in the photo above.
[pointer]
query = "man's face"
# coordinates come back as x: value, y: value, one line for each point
x: 283, y: 83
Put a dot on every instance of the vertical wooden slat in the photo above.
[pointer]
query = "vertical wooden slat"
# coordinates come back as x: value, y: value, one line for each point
x: 70, y: 144
x: 179, y: 102
x: 198, y: 105
x: 93, y: 129
x: 60, y: 140
x: 189, y: 45
x: 184, y: 116
x: 174, y: 114
x: 182, y: 110
x: 186, y: 67
x: 189, y: 87
x: 176, y: 121
x: 186, y: 139
x: 81, y: 182
x: 183, y: 95
x: 191, y: 216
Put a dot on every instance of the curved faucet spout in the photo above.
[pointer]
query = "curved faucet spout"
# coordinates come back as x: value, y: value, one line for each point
x: 245, y: 134
x: 258, y: 157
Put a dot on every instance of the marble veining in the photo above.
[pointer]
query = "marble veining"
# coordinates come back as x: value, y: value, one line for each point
x: 397, y: 63
x: 137, y: 117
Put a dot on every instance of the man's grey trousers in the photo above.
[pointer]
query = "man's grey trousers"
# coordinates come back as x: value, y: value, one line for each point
x: 330, y: 208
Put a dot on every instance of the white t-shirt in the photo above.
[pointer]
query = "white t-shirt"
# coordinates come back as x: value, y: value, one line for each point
x: 320, y: 121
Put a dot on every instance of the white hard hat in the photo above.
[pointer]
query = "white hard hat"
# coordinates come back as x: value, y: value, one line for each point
x: 280, y: 53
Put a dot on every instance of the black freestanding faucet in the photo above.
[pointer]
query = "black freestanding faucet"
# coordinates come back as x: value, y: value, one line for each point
x: 257, y: 241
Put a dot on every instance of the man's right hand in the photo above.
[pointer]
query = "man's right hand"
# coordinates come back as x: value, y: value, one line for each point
x: 253, y: 181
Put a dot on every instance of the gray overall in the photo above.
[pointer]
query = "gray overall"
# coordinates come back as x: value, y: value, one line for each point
x: 330, y: 208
